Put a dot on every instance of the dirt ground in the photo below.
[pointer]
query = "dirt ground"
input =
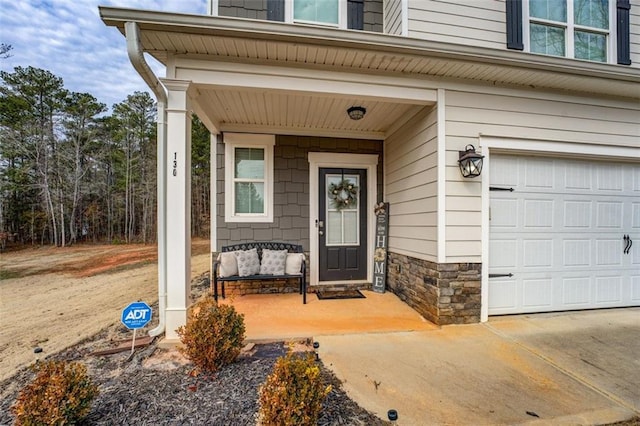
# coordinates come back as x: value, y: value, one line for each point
x: 53, y: 298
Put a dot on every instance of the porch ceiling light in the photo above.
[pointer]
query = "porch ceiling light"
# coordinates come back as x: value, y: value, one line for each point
x: 470, y: 162
x: 356, y: 112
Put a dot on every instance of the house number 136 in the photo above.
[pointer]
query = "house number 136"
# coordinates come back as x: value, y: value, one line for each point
x: 175, y: 164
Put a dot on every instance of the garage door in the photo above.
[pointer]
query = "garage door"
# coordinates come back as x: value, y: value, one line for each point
x: 564, y: 235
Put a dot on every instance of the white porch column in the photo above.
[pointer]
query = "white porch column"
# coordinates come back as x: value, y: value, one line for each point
x: 178, y: 205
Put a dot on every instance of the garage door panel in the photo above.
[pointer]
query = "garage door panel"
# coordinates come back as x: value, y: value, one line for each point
x: 538, y: 213
x: 609, y: 214
x: 537, y: 253
x: 504, y: 297
x: 635, y: 288
x: 576, y: 252
x: 578, y: 175
x: 635, y: 216
x: 576, y: 292
x: 577, y: 214
x: 609, y: 177
x: 609, y: 252
x: 539, y: 173
x: 503, y: 253
x: 560, y: 233
x: 502, y: 214
x: 608, y: 290
x: 537, y: 293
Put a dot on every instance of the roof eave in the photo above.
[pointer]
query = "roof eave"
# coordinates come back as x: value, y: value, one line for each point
x: 383, y: 43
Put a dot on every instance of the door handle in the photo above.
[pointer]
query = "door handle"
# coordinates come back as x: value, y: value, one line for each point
x: 321, y: 233
x: 628, y: 243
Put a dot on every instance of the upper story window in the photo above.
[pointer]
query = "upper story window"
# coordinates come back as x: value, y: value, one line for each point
x: 580, y: 29
x: 320, y: 12
x: 248, y: 177
x: 345, y: 14
x: 324, y: 12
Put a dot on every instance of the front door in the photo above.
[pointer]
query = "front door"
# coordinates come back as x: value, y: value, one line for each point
x: 342, y: 224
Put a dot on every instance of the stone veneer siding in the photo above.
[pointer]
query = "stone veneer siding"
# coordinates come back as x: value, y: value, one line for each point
x: 446, y: 293
x: 257, y: 9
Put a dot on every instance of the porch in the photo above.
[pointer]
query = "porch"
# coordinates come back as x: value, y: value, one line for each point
x: 271, y: 317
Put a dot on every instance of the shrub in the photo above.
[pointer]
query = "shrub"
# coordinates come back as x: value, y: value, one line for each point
x: 61, y: 393
x: 293, y: 393
x: 213, y: 336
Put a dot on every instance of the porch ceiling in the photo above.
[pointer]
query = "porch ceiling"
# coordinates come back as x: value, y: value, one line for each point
x: 171, y: 38
x: 298, y: 114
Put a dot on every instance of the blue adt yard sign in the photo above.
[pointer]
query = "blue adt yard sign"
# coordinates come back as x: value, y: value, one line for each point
x: 136, y: 315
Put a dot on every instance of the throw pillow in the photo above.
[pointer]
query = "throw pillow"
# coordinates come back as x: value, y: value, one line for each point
x: 273, y: 262
x: 248, y: 262
x: 293, y: 263
x: 228, y: 264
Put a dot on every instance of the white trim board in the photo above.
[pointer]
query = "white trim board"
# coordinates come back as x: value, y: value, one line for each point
x: 318, y: 160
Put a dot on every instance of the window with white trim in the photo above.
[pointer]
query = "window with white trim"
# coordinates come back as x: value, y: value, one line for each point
x: 248, y: 177
x: 580, y: 29
x: 332, y: 13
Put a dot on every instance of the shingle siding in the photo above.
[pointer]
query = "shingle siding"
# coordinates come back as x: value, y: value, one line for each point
x: 373, y: 15
x: 252, y: 9
x: 257, y: 9
x: 291, y: 189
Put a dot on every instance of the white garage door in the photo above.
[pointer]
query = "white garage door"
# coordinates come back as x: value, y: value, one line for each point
x: 558, y: 241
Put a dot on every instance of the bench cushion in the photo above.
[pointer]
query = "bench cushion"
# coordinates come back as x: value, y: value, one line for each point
x: 228, y: 264
x: 248, y: 262
x: 293, y: 263
x: 273, y: 262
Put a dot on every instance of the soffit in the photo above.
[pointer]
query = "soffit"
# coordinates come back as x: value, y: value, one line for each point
x: 229, y: 39
x: 293, y: 113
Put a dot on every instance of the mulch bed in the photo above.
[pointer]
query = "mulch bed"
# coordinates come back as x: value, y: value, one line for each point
x: 135, y: 390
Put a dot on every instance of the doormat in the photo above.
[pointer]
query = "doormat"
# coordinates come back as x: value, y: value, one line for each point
x: 339, y: 294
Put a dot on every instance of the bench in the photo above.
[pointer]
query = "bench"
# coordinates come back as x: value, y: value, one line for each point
x: 300, y: 275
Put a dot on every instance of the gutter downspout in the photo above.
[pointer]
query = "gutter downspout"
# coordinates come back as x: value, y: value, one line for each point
x: 136, y: 56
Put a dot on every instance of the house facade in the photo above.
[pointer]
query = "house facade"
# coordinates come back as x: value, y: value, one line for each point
x: 320, y: 109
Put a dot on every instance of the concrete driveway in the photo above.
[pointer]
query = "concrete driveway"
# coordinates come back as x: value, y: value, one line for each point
x: 564, y: 368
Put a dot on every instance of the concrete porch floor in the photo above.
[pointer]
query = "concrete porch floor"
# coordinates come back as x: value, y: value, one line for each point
x: 271, y: 317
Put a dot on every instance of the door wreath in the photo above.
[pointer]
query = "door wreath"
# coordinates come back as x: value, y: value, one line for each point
x: 343, y: 194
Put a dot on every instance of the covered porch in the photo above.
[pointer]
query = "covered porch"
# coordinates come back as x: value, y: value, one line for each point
x: 274, y: 317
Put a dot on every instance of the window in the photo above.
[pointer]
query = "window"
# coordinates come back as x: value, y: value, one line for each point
x: 321, y: 12
x: 317, y: 11
x: 343, y: 223
x: 248, y: 177
x: 580, y: 29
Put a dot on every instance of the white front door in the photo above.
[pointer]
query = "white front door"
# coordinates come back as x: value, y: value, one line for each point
x: 558, y: 241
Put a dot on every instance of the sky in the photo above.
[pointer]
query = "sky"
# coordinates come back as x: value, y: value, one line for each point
x: 68, y: 39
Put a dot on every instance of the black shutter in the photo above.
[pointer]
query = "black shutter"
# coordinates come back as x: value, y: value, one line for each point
x: 275, y: 10
x: 514, y: 25
x: 355, y: 14
x: 624, y: 55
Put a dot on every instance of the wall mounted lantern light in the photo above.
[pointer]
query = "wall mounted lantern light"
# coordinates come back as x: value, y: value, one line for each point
x: 470, y: 162
x: 356, y: 112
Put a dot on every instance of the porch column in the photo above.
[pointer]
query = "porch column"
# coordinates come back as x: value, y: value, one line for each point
x: 178, y: 205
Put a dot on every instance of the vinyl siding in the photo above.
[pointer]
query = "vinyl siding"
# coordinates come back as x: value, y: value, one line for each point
x: 478, y: 23
x: 634, y: 33
x: 411, y: 187
x: 393, y: 17
x: 518, y: 115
